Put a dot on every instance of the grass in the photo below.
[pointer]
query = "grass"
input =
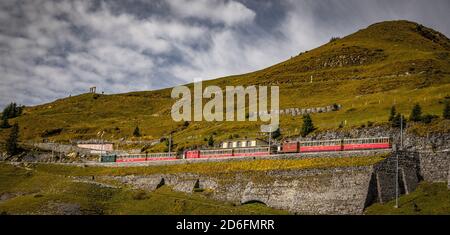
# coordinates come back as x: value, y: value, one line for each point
x: 40, y: 192
x: 390, y: 63
x: 427, y: 199
x: 215, y: 167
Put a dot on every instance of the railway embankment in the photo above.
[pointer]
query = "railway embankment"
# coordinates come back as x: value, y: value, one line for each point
x: 331, y: 190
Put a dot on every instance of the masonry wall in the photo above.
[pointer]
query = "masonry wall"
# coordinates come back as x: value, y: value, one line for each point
x: 385, y: 174
x: 434, y: 165
x: 314, y: 191
x: 63, y: 148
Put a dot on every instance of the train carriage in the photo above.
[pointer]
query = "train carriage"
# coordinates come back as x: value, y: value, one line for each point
x: 366, y: 143
x: 192, y: 154
x: 290, y: 147
x: 216, y: 153
x: 321, y: 146
x: 252, y: 152
x: 161, y: 156
x: 146, y: 157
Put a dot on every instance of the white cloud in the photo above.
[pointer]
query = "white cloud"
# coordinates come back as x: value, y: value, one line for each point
x: 50, y: 49
x: 216, y: 11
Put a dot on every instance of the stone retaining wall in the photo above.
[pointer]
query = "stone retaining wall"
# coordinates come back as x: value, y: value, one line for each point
x: 434, y: 166
x: 343, y: 190
x: 61, y: 148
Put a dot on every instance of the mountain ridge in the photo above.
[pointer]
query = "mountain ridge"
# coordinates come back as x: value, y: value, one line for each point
x: 387, y: 63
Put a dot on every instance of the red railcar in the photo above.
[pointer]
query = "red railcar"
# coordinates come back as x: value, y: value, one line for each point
x: 211, y: 153
x: 217, y: 153
x: 251, y: 152
x: 290, y: 147
x: 192, y: 154
x: 366, y: 143
x: 336, y: 145
x: 321, y: 146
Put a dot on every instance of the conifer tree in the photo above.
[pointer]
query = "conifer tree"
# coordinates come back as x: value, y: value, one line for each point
x: 12, y: 147
x: 136, y: 132
x: 393, y: 113
x: 308, y: 125
x: 416, y: 114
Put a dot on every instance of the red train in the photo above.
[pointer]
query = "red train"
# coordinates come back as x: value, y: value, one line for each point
x: 285, y: 148
x: 336, y: 145
x: 236, y: 152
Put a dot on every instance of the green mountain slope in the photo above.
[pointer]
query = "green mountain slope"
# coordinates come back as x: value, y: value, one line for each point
x: 396, y: 62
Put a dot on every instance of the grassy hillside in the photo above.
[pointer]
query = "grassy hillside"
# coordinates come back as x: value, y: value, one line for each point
x: 367, y: 72
x: 28, y: 191
x: 427, y: 199
x: 54, y: 189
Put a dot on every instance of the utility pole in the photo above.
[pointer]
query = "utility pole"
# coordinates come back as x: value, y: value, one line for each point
x: 396, y: 168
x: 270, y: 138
x: 170, y: 143
x: 401, y: 132
x: 396, y: 182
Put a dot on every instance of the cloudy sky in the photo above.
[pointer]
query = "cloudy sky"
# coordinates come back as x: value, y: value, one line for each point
x: 53, y: 49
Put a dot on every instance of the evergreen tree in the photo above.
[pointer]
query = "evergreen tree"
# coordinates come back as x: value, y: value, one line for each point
x: 308, y: 125
x: 446, y: 113
x: 11, y: 143
x: 5, y: 123
x: 416, y: 113
x: 396, y: 122
x: 12, y: 111
x: 276, y: 134
x: 393, y: 113
x: 136, y: 132
x: 211, y: 141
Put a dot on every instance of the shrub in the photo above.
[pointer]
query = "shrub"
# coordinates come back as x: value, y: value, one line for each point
x: 333, y: 39
x: 211, y: 141
x: 5, y: 123
x: 428, y: 118
x: 140, y: 195
x: 446, y: 114
x: 48, y: 133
